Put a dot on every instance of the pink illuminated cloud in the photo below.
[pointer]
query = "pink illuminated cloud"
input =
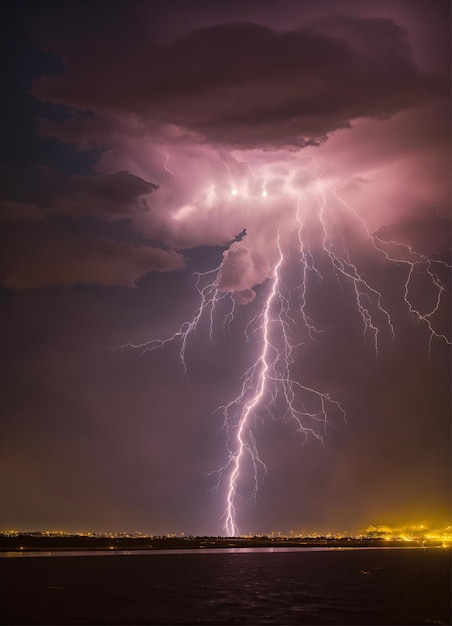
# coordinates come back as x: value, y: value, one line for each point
x: 238, y: 125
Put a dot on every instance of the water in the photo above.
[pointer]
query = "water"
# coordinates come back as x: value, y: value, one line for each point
x: 270, y: 586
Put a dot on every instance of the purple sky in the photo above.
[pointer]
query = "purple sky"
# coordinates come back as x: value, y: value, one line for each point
x: 147, y: 142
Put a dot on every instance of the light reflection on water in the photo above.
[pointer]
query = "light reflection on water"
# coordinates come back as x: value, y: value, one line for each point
x: 279, y: 550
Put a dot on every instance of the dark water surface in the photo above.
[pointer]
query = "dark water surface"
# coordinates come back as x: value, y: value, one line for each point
x: 406, y: 586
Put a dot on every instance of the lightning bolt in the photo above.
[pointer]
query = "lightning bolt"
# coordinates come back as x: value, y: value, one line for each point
x: 268, y: 378
x: 412, y: 260
x: 209, y: 296
x: 165, y: 166
x: 269, y: 386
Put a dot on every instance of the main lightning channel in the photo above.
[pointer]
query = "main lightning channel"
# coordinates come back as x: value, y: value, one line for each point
x: 230, y: 523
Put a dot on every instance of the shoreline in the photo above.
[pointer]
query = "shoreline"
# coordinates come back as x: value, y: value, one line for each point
x: 117, y: 546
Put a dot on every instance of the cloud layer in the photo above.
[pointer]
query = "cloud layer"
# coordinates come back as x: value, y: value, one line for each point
x: 44, y: 257
x: 245, y: 85
x: 177, y: 127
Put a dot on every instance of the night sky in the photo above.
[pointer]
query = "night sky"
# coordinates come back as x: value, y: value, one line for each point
x: 151, y: 149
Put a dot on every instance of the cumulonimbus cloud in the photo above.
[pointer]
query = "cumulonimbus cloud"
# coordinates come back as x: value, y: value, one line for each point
x: 225, y: 109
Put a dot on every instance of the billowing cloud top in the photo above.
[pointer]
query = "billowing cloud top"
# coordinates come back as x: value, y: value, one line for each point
x: 244, y: 85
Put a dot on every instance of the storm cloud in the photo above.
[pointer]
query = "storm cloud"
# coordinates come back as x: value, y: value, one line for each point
x: 244, y: 85
x: 42, y: 256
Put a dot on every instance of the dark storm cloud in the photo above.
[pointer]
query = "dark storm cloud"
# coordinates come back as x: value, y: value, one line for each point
x: 109, y: 196
x: 13, y: 210
x: 245, y: 85
x: 36, y: 254
x: 40, y: 257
